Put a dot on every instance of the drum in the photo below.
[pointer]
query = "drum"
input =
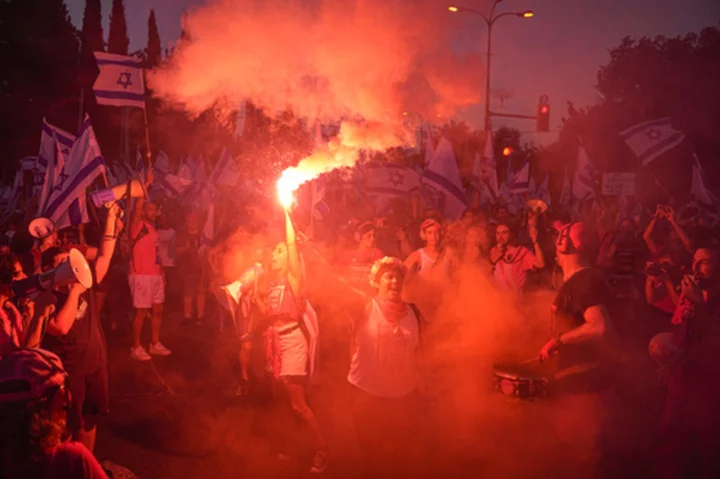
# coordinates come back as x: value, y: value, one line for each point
x: 522, y: 381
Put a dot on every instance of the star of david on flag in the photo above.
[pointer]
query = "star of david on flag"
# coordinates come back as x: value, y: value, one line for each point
x: 651, y: 139
x: 120, y: 82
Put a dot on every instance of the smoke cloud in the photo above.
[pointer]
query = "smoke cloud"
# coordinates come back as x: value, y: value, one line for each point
x: 354, y: 60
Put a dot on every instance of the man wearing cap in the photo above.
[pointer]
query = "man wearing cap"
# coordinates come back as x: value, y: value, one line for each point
x: 429, y: 262
x: 75, y: 334
x: 34, y: 395
x: 580, y: 315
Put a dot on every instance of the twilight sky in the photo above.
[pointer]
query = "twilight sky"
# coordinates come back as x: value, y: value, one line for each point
x: 557, y: 52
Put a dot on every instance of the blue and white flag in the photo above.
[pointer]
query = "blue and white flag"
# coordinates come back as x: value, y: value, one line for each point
x: 84, y: 164
x: 161, y: 165
x: 120, y: 82
x: 47, y: 143
x: 383, y: 182
x: 701, y: 194
x: 429, y: 147
x: 226, y: 172
x: 650, y: 139
x: 543, y: 191
x: 442, y: 188
x: 520, y: 181
x: 485, y: 172
x: 583, y: 187
x: 566, y: 192
x: 10, y: 197
x: 320, y: 208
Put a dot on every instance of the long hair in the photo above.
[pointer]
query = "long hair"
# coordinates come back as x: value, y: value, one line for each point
x: 29, y: 429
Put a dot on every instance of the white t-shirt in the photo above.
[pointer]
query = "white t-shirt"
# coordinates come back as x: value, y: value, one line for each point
x: 166, y: 247
x: 511, y: 271
x: 384, y: 362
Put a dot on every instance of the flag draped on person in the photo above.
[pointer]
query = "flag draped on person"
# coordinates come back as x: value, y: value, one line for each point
x: 84, y: 164
x: 650, y: 139
x: 442, y: 188
x: 120, y: 82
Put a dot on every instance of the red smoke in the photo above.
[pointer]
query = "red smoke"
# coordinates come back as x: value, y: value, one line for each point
x: 333, y: 60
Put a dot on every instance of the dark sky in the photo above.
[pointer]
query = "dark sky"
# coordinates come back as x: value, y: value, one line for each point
x: 557, y: 52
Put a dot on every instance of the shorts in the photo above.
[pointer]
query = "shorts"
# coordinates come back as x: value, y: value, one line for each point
x: 146, y: 290
x: 90, y: 396
x: 193, y: 281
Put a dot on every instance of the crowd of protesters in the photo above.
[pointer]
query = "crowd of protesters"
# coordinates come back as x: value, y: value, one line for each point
x: 54, y: 376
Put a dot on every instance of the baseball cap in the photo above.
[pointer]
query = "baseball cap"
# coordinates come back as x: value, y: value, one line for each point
x: 576, y: 232
x: 428, y: 223
x: 27, y: 374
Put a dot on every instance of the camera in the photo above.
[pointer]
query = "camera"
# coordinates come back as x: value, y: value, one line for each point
x: 655, y: 270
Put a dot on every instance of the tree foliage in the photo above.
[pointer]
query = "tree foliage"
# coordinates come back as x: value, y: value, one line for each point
x: 153, y: 51
x: 647, y: 79
x: 118, y: 41
x: 39, y: 56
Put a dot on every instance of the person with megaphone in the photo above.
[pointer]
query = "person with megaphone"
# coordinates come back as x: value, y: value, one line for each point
x: 46, y: 236
x: 75, y: 332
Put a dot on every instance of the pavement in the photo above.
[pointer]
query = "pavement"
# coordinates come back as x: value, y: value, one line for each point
x: 178, y: 416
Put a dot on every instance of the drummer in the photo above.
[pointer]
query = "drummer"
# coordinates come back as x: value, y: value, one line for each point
x: 581, y: 318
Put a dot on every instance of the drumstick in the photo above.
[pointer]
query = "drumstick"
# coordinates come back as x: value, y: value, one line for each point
x: 531, y: 360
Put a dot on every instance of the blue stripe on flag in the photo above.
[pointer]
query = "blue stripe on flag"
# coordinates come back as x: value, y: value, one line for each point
x: 449, y: 186
x: 119, y: 95
x: 633, y: 130
x: 62, y: 139
x: 665, y: 144
x: 123, y: 63
x: 86, y: 170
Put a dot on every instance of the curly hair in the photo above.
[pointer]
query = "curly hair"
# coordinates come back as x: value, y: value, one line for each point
x: 28, y: 428
x: 381, y: 266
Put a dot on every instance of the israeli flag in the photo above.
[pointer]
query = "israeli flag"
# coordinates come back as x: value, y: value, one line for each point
x: 441, y: 185
x: 120, y: 82
x: 84, y: 164
x: 226, y: 171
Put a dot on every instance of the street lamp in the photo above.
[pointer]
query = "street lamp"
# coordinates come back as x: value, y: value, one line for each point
x: 490, y: 21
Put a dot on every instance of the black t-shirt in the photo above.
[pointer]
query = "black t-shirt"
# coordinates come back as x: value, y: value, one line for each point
x: 82, y: 350
x: 581, y: 291
x: 189, y: 260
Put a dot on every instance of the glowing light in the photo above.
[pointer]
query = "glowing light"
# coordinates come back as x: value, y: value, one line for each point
x: 289, y: 182
x: 507, y: 151
x: 528, y: 14
x: 544, y: 109
x: 453, y: 8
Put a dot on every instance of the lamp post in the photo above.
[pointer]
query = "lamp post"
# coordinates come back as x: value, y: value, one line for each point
x: 490, y: 21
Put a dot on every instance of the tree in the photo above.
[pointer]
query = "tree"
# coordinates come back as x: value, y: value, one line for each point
x: 118, y: 41
x: 91, y: 40
x: 39, y: 54
x: 153, y: 52
x: 647, y: 79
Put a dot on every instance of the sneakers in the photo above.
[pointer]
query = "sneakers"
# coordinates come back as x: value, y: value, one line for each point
x: 158, y: 349
x: 139, y: 354
x: 320, y: 461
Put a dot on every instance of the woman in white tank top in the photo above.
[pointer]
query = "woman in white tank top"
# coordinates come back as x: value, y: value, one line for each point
x: 384, y: 372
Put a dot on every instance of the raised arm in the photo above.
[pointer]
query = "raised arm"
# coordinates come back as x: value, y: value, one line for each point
x: 113, y: 227
x: 65, y: 318
x: 684, y: 238
x: 539, y: 256
x: 647, y: 235
x: 295, y: 268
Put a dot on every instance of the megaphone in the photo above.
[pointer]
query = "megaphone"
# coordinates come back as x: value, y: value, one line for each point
x: 74, y: 269
x: 243, y: 283
x: 537, y: 206
x: 132, y: 189
x: 40, y: 228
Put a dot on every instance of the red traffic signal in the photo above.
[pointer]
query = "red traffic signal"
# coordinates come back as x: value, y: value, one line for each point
x: 543, y: 115
x: 507, y: 151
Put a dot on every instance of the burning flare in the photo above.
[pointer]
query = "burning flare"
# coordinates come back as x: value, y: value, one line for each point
x: 289, y: 182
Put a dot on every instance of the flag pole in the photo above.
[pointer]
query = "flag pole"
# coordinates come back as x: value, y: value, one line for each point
x: 147, y: 125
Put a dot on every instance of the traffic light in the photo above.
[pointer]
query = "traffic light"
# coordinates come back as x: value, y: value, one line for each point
x: 543, y: 115
x: 507, y: 151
